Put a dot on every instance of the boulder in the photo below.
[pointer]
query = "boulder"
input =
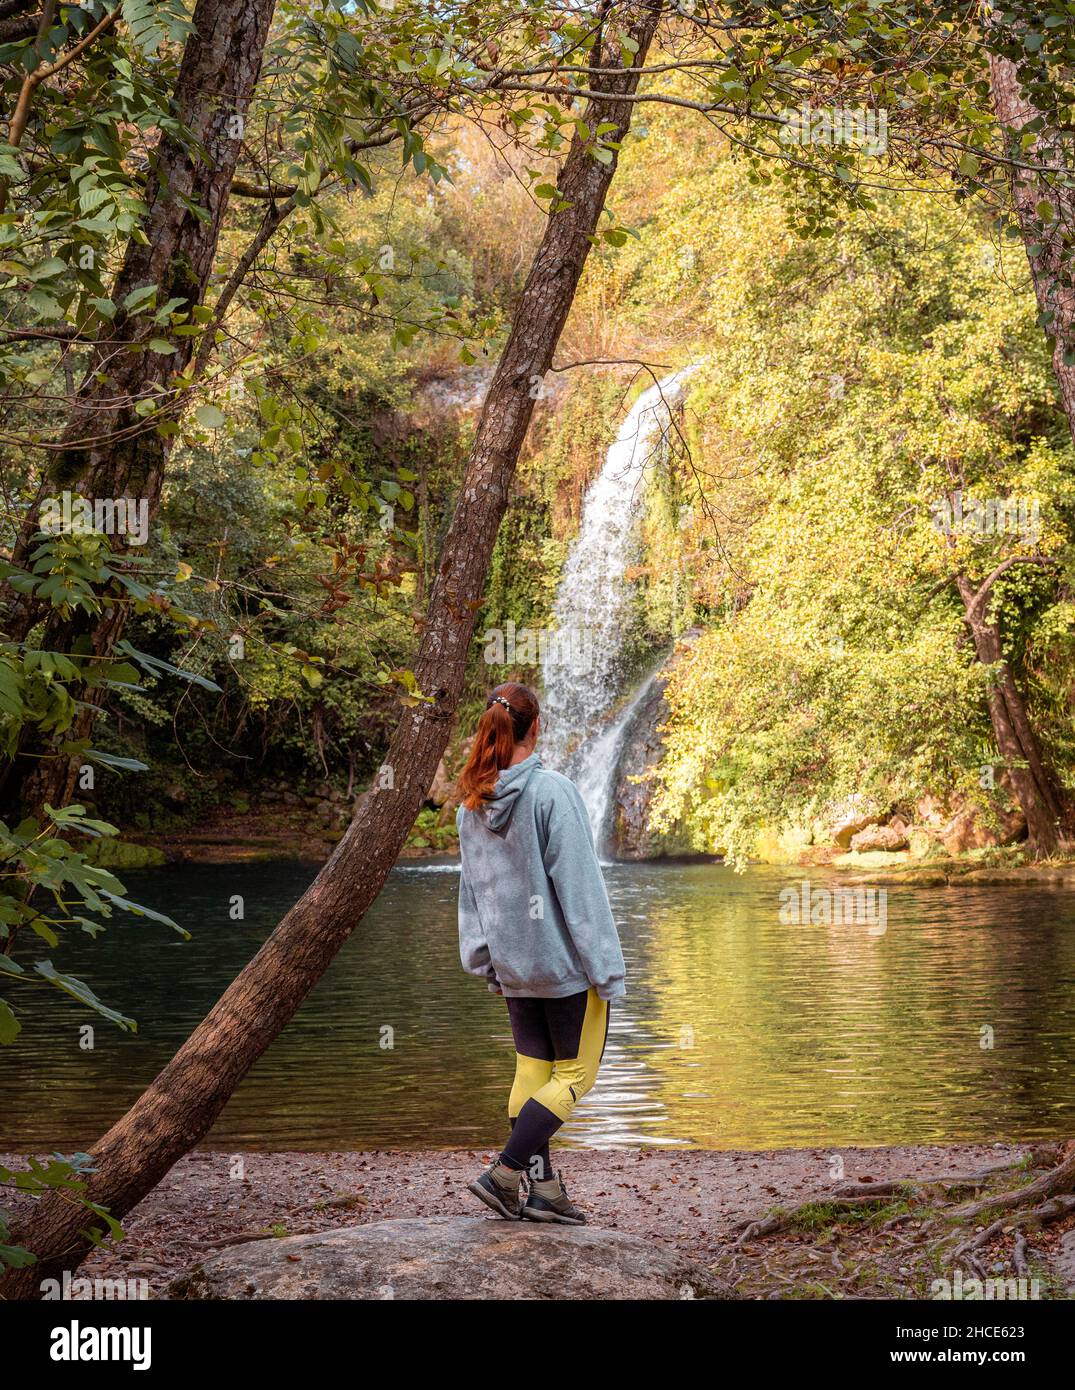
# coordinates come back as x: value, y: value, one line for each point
x: 921, y: 842
x: 450, y: 1257
x: 850, y: 826
x: 442, y: 789
x: 968, y: 830
x: 880, y: 837
x: 931, y: 812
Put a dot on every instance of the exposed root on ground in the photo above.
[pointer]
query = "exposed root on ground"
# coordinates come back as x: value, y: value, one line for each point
x: 908, y: 1239
x: 1056, y: 1180
x: 1034, y: 1219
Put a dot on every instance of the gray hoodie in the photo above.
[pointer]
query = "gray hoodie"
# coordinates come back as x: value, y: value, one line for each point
x: 534, y: 919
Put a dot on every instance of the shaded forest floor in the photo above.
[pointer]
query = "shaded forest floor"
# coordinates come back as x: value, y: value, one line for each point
x: 882, y: 1244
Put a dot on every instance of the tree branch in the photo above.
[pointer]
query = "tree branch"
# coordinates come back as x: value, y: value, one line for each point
x: 983, y: 591
x: 33, y: 80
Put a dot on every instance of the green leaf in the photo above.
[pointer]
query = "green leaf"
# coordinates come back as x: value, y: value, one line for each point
x: 81, y: 991
x: 210, y: 417
x: 44, y: 304
x: 112, y: 760
x: 46, y: 269
x: 45, y: 932
x: 157, y: 665
x: 16, y: 1257
x: 138, y: 299
x: 141, y: 911
x: 75, y: 818
x: 10, y: 1027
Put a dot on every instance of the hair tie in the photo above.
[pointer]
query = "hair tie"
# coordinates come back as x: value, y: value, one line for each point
x: 499, y: 700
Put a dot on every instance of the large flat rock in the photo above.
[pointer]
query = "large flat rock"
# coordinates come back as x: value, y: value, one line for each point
x: 450, y: 1257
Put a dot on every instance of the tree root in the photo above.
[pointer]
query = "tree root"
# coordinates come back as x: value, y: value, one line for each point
x: 1056, y: 1180
x: 903, y: 1250
x: 850, y: 1197
x: 1034, y: 1219
x: 856, y: 1196
x: 781, y: 1220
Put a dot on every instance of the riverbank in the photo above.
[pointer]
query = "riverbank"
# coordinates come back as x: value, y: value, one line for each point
x: 694, y: 1201
x: 230, y: 837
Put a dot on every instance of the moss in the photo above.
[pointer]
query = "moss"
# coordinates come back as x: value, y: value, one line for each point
x: 121, y: 854
x: 819, y: 1216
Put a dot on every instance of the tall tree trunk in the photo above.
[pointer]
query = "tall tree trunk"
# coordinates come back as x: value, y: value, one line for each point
x: 108, y: 452
x: 1051, y: 264
x: 1035, y: 786
x: 1048, y: 243
x: 180, y: 1106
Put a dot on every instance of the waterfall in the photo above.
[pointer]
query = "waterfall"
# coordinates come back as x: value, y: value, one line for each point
x: 581, y: 670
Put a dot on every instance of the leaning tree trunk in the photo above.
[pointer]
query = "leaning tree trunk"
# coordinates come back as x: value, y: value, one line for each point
x: 1049, y: 242
x: 1035, y: 786
x: 108, y: 450
x: 180, y: 1106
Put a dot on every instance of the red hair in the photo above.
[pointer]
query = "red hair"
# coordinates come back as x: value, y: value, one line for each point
x: 509, y: 715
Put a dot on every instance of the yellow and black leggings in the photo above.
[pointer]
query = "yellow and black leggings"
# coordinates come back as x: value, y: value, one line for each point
x: 559, y: 1044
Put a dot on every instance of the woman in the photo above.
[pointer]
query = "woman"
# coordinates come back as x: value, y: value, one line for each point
x: 534, y: 921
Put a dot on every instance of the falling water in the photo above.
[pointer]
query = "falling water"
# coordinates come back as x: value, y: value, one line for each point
x: 582, y: 669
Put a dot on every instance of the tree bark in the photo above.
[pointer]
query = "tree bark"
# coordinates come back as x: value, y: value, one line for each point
x: 217, y: 77
x: 1048, y: 249
x: 1051, y: 265
x: 179, y: 1107
x: 109, y: 452
x: 1035, y: 785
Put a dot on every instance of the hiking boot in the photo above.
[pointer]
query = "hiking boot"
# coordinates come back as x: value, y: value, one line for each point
x: 499, y: 1191
x: 548, y: 1201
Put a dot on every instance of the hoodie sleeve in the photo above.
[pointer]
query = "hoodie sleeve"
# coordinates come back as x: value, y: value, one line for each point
x: 473, y: 947
x: 572, y: 867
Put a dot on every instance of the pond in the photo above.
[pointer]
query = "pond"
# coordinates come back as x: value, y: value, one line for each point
x: 956, y: 1023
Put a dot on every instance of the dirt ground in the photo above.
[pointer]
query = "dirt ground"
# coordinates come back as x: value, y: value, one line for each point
x: 693, y: 1200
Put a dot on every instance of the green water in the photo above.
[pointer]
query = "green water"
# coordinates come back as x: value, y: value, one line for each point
x: 739, y: 1031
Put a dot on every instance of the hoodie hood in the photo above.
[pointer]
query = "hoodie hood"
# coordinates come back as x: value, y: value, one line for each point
x: 509, y: 785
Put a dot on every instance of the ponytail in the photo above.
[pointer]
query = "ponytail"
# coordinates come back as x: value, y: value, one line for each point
x: 509, y: 714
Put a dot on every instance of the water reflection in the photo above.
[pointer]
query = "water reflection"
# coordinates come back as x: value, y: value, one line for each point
x: 738, y: 1032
